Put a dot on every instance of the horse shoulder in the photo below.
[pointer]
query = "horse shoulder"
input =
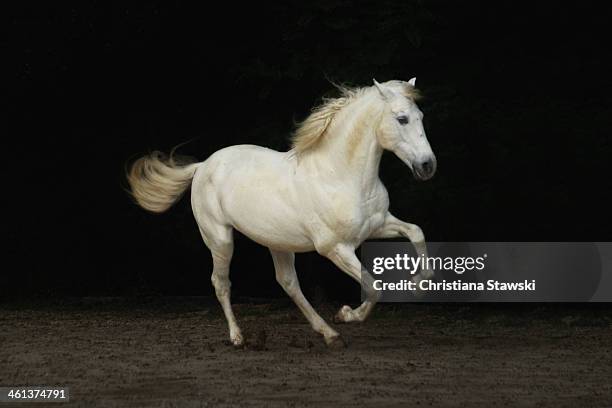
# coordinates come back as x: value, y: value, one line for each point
x: 343, y: 215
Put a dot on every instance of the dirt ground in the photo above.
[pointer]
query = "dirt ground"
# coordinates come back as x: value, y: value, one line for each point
x: 172, y: 352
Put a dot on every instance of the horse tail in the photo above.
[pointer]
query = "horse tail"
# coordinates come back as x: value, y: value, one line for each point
x: 157, y: 181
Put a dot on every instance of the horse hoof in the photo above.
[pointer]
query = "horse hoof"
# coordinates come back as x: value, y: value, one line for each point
x: 237, y: 341
x: 335, y: 343
x: 343, y: 315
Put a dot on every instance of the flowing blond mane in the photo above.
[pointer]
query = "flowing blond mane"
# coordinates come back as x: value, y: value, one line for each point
x: 309, y: 132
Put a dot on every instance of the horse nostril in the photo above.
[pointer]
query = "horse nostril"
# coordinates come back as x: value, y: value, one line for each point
x: 427, y: 166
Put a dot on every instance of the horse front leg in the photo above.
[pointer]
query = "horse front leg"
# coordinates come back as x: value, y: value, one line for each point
x: 284, y: 264
x: 344, y: 257
x: 395, y: 228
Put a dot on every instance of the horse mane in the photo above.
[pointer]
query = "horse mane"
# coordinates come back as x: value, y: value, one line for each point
x: 309, y: 132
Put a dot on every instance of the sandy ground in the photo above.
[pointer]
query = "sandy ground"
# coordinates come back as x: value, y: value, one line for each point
x: 172, y: 352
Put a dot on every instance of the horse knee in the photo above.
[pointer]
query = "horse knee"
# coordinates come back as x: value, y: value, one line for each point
x: 222, y: 253
x: 289, y: 283
x: 416, y: 234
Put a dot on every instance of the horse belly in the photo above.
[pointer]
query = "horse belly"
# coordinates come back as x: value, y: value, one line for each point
x: 260, y: 200
x: 268, y: 221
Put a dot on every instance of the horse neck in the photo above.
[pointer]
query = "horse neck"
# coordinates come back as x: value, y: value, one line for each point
x: 350, y: 152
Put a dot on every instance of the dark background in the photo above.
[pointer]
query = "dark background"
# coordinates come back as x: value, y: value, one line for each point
x: 517, y: 105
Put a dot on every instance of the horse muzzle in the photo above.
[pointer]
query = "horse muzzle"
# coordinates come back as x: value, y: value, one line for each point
x: 425, y: 169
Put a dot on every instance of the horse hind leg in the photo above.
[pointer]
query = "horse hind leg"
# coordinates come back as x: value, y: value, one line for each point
x: 220, y: 241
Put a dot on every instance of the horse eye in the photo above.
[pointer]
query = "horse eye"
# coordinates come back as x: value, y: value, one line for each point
x: 403, y: 120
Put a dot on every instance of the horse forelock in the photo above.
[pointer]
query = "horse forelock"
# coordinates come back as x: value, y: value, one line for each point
x: 405, y: 89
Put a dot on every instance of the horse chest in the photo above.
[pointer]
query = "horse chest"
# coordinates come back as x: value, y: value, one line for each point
x: 357, y: 220
x: 374, y: 216
x: 370, y: 224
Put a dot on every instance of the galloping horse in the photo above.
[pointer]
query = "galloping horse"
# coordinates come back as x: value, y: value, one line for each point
x: 323, y: 195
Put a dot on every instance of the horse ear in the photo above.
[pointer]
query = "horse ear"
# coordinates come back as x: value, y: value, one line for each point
x: 412, y: 82
x: 384, y: 91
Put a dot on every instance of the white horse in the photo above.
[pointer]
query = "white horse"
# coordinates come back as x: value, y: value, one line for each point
x: 323, y: 195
